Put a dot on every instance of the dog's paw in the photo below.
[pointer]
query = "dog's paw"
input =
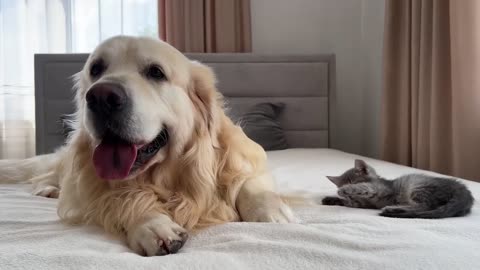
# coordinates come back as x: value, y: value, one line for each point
x: 330, y: 200
x: 269, y: 207
x: 46, y: 191
x: 156, y: 237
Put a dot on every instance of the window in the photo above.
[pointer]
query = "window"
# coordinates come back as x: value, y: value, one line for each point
x: 55, y: 26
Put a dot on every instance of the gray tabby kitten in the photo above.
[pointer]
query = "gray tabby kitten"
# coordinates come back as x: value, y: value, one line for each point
x: 409, y: 196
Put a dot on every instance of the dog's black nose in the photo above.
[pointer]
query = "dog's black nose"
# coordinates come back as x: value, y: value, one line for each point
x: 106, y: 98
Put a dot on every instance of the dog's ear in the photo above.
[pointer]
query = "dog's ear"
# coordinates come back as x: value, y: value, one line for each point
x: 204, y: 95
x: 197, y: 166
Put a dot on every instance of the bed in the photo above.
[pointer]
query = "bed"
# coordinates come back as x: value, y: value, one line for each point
x: 326, y: 237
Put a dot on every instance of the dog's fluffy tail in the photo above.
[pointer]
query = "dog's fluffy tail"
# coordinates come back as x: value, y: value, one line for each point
x: 299, y: 199
x: 23, y: 170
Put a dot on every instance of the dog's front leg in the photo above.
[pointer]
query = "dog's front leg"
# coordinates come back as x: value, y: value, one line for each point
x: 139, y: 214
x: 257, y: 202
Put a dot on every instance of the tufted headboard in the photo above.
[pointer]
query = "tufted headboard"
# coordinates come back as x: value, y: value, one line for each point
x: 302, y: 82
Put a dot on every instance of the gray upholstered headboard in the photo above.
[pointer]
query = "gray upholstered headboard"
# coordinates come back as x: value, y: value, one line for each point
x: 302, y: 82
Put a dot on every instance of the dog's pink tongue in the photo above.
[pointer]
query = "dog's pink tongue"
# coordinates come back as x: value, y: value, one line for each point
x: 114, y: 160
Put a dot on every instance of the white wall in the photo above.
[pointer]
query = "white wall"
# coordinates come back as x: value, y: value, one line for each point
x: 353, y: 31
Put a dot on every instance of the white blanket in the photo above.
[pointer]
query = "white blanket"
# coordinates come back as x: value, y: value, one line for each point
x: 329, y: 237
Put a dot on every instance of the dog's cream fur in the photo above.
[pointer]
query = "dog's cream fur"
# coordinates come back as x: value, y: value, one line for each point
x: 208, y: 173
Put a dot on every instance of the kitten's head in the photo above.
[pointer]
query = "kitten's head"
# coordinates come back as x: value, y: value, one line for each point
x: 362, y: 172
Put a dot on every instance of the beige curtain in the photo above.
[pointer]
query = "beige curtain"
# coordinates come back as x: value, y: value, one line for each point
x: 431, y: 91
x: 206, y: 25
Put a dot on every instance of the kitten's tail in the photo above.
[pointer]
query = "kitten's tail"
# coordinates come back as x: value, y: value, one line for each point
x: 460, y: 205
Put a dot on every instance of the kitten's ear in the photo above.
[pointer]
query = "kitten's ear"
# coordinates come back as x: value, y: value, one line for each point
x: 361, y: 166
x: 335, y: 179
x: 364, y: 168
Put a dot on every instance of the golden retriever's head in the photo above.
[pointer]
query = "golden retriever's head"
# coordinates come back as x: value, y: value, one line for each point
x: 140, y: 100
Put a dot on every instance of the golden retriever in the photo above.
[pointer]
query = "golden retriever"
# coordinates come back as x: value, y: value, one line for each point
x: 152, y: 155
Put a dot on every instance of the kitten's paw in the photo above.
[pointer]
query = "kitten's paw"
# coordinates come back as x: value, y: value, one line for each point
x: 346, y: 191
x: 158, y: 236
x: 356, y: 190
x: 393, y: 209
x: 46, y: 191
x: 330, y: 200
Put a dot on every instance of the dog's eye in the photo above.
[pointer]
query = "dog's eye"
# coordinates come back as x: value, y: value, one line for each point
x: 97, y: 68
x: 155, y: 72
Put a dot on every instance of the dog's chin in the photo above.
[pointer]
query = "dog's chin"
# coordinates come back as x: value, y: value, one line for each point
x: 118, y: 158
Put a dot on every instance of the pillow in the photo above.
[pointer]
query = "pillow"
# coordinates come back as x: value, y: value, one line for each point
x: 261, y: 125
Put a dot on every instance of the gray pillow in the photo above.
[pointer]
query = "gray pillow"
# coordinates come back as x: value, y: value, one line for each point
x: 261, y: 125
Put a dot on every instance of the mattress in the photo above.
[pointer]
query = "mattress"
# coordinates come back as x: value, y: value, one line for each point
x: 327, y: 237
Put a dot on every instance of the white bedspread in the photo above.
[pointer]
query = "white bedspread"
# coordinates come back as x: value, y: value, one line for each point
x: 329, y: 237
